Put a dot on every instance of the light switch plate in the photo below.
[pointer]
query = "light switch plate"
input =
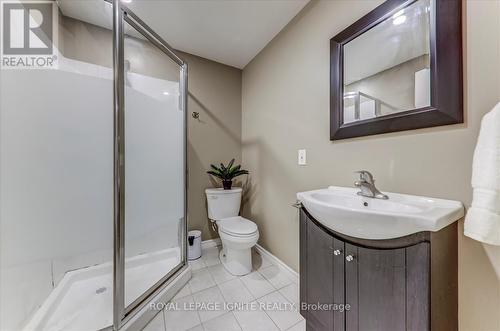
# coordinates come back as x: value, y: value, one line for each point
x: 302, y: 159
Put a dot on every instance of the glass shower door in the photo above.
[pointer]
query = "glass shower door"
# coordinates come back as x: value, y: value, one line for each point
x: 152, y: 186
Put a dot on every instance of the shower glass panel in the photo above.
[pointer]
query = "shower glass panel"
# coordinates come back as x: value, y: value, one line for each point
x: 68, y: 259
x: 56, y: 180
x: 154, y: 165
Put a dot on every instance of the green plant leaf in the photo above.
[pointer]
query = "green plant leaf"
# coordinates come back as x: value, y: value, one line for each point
x: 216, y: 174
x: 234, y: 169
x: 227, y: 172
x: 230, y: 164
x: 222, y: 167
x: 239, y: 173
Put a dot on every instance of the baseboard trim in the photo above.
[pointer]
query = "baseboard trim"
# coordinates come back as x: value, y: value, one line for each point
x: 274, y: 260
x: 205, y: 244
x: 210, y: 243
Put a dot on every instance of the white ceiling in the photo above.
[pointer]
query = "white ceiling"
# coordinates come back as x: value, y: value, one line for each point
x: 232, y: 32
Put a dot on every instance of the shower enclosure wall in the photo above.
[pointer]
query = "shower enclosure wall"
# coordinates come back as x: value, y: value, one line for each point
x: 92, y: 175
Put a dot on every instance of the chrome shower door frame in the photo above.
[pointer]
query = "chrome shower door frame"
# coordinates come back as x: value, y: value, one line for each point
x: 122, y: 14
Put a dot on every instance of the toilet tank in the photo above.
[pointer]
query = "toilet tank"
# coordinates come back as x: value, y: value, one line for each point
x: 223, y: 203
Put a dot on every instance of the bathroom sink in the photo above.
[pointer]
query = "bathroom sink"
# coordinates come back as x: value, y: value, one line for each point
x: 343, y: 211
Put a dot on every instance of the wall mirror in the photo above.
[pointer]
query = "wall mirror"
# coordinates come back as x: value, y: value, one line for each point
x: 397, y: 68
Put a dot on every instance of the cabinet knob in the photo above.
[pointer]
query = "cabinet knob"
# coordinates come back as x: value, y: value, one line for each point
x: 349, y: 258
x: 335, y: 251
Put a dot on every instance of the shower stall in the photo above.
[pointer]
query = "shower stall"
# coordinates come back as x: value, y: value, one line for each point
x: 93, y: 176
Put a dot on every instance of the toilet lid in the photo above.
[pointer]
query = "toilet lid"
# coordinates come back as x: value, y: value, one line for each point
x: 237, y: 225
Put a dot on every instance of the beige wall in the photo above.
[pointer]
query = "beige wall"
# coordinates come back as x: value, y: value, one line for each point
x: 286, y: 107
x: 214, y: 92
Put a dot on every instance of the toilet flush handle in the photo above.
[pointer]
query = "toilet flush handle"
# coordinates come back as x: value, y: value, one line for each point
x: 214, y: 225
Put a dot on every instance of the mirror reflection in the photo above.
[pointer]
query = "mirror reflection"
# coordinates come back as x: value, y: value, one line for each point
x: 395, y: 77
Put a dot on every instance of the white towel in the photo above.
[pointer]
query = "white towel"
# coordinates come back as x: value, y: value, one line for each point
x: 483, y: 218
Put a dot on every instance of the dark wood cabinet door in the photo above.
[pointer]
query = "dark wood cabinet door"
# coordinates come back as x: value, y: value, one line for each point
x: 321, y: 277
x: 418, y: 287
x: 375, y: 282
x: 319, y: 266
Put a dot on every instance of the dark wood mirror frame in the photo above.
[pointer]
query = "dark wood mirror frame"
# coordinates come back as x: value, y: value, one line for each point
x: 445, y: 66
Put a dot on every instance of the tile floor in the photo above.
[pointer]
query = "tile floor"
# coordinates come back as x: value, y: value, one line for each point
x: 265, y: 289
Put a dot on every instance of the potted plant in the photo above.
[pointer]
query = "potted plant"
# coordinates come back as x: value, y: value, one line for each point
x: 227, y: 173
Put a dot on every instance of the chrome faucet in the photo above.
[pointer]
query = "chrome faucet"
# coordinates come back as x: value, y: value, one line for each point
x: 366, y: 184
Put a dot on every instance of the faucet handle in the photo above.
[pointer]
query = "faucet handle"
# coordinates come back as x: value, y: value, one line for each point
x: 365, y: 175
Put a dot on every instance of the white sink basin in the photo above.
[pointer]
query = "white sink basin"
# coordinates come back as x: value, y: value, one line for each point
x: 343, y: 211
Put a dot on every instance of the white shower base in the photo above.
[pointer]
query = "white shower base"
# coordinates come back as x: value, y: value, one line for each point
x: 83, y: 300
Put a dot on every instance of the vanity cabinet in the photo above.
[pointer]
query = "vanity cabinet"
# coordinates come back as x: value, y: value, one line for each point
x: 352, y: 284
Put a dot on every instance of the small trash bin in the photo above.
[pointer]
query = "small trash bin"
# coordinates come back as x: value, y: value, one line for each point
x: 194, y: 244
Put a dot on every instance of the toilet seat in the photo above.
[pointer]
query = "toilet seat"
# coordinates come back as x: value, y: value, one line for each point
x: 237, y: 226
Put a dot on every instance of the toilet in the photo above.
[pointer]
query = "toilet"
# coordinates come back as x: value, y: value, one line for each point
x: 238, y: 235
